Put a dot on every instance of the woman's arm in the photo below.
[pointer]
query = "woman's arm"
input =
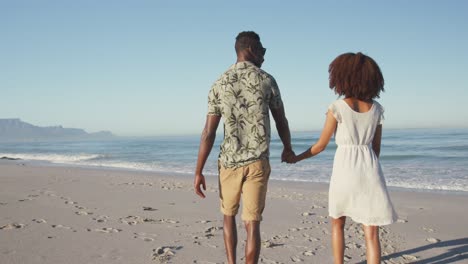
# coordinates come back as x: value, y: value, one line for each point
x: 327, y: 132
x: 377, y: 140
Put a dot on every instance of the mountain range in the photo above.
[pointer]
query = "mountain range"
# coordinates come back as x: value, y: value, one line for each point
x: 14, y: 129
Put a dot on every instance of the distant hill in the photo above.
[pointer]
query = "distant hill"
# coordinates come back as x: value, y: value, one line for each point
x: 16, y: 130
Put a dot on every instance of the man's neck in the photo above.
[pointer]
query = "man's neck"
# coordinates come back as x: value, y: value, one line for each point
x: 241, y: 59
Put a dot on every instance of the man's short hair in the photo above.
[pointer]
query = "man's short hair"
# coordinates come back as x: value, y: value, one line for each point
x: 245, y: 40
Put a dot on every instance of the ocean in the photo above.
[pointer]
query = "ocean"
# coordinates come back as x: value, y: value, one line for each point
x: 416, y: 159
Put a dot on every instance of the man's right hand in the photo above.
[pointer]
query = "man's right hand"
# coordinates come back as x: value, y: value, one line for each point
x: 287, y: 155
x: 199, y: 180
x: 292, y: 159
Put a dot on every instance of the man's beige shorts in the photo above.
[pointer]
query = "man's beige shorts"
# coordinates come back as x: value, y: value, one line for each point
x: 251, y: 181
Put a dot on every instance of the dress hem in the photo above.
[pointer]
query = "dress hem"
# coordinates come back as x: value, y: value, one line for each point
x: 360, y: 221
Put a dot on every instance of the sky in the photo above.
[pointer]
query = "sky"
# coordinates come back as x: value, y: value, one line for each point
x: 144, y: 68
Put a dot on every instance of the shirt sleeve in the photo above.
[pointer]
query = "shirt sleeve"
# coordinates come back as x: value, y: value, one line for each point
x: 275, y: 101
x: 214, y: 102
x: 335, y: 112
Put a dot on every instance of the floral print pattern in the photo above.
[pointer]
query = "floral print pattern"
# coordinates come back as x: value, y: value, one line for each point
x: 243, y: 96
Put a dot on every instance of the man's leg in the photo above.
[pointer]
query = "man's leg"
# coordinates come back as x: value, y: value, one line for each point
x: 230, y: 186
x: 253, y: 197
x: 252, y: 247
x: 230, y: 237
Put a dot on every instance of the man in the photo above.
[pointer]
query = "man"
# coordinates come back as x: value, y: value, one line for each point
x: 243, y: 96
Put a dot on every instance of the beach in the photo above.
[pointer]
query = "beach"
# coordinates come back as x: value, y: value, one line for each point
x: 66, y: 214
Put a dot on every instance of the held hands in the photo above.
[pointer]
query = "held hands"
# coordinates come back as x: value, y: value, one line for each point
x: 288, y: 156
x: 292, y: 159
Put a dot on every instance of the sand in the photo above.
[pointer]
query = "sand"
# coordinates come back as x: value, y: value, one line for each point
x: 59, y: 214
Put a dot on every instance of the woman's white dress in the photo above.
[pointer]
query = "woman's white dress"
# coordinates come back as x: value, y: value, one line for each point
x: 357, y: 185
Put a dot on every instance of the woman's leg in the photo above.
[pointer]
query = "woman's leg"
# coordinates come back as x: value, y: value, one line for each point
x: 338, y: 242
x: 371, y: 234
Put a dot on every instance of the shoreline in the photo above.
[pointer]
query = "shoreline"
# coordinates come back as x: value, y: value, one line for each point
x: 76, y: 215
x: 47, y: 164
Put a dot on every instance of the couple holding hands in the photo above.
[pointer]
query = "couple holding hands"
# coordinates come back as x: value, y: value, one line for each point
x: 245, y: 95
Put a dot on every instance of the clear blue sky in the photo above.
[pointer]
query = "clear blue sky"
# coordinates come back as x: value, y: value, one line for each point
x: 142, y: 68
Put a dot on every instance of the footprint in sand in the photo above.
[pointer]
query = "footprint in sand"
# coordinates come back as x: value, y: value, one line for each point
x: 164, y: 253
x: 124, y: 183
x: 270, y: 244
x: 40, y: 221
x: 197, y: 241
x: 131, y: 220
x: 313, y: 239
x: 204, y: 221
x: 205, y: 262
x: 432, y: 240
x: 83, y: 213
x: 148, y: 208
x: 64, y: 227
x: 105, y: 230
x: 353, y: 245
x: 26, y: 199
x: 389, y: 249
x: 48, y: 193
x: 168, y: 221
x: 427, y: 229
x: 211, y: 231
x: 12, y: 226
x: 101, y: 218
x: 281, y: 237
x: 146, y: 184
x: 268, y: 261
x: 145, y: 237
x: 296, y: 259
x: 317, y: 207
x: 410, y: 257
x: 3, y: 203
x: 61, y: 226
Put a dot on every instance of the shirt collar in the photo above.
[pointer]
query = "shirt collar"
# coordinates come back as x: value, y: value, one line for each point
x: 243, y: 64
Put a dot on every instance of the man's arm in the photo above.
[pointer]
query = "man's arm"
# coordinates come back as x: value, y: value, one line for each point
x: 206, y: 144
x: 283, y: 130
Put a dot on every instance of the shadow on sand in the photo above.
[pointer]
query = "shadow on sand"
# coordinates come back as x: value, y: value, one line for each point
x: 457, y: 250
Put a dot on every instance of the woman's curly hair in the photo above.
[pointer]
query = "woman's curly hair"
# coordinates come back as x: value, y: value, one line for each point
x: 356, y: 75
